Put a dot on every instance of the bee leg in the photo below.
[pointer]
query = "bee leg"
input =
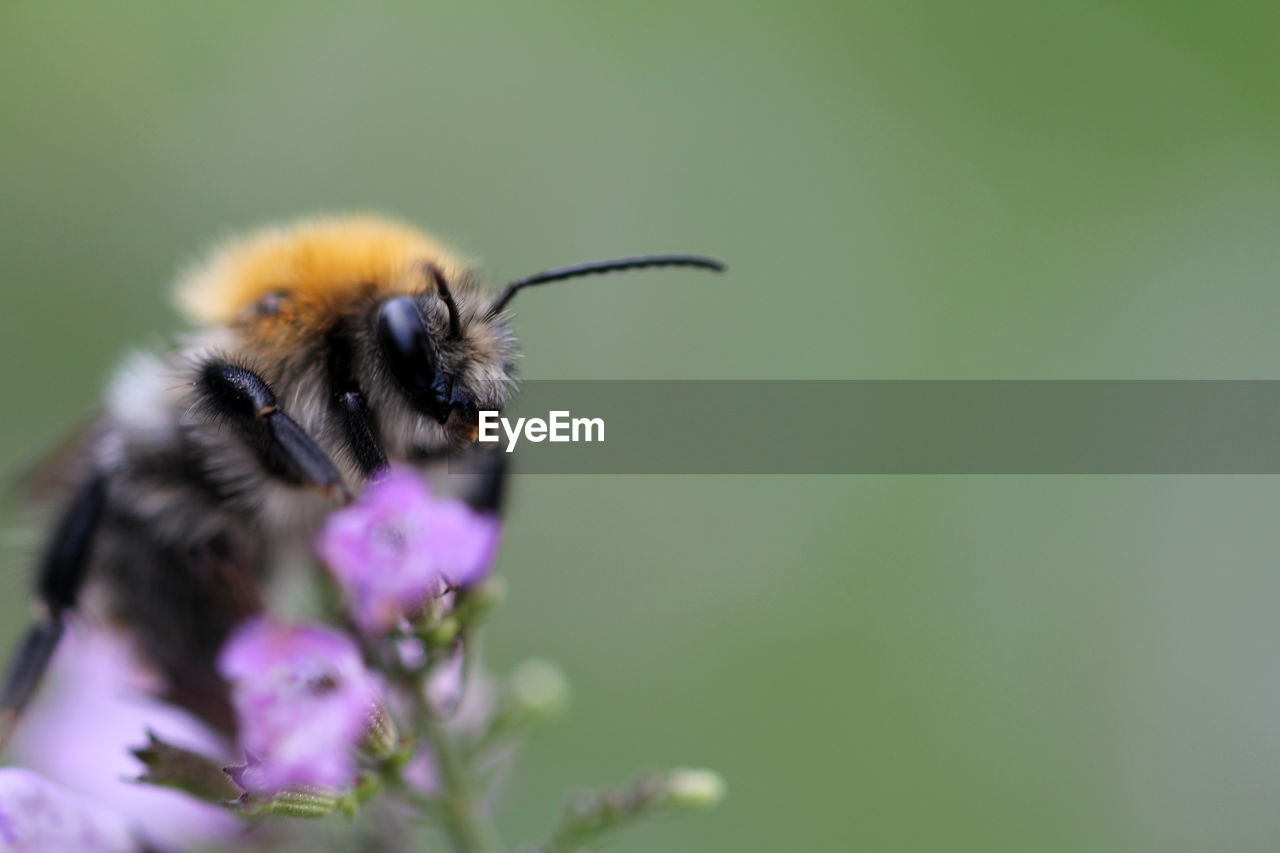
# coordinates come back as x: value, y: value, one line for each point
x: 360, y: 432
x: 61, y: 576
x: 358, y: 423
x: 491, y: 472
x: 243, y: 398
x: 25, y: 671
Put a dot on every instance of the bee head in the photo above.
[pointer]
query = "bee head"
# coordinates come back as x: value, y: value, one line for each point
x: 447, y: 354
x: 391, y: 312
x: 362, y: 303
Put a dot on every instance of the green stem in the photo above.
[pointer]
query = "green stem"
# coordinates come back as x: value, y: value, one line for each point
x: 458, y: 807
x: 461, y: 812
x: 590, y: 818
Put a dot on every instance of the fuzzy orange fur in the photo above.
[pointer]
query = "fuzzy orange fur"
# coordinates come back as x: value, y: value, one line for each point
x: 319, y: 265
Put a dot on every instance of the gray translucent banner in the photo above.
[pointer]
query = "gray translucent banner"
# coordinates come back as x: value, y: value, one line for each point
x: 904, y: 427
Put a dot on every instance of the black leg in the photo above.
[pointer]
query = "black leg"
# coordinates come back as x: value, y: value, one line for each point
x: 61, y: 577
x: 490, y: 474
x: 243, y: 398
x: 360, y: 432
x: 358, y: 422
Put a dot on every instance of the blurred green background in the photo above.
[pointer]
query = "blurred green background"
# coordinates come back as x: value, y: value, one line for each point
x: 927, y: 190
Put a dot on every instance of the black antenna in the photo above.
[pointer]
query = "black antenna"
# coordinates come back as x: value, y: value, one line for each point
x: 455, y: 324
x: 598, y: 267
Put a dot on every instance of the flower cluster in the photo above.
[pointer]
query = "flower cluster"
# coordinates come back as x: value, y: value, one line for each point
x: 379, y: 696
x: 398, y: 546
x: 304, y: 701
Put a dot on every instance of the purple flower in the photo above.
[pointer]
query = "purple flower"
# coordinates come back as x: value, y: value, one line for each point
x: 96, y: 703
x: 36, y: 814
x: 399, y: 545
x: 304, y: 700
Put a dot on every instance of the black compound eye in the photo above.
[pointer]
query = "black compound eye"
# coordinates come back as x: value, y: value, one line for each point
x: 406, y: 346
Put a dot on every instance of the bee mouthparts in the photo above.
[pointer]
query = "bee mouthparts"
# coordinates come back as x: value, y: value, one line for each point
x: 464, y: 422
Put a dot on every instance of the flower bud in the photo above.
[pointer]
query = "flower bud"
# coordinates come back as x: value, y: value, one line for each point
x: 381, y: 740
x: 441, y: 633
x: 477, y: 602
x: 173, y: 767
x: 300, y: 802
x: 694, y: 789
x: 538, y: 689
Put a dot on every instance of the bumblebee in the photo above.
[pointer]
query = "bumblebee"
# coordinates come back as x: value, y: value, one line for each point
x: 323, y: 351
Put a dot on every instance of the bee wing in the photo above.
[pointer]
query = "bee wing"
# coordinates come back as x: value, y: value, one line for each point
x: 59, y: 467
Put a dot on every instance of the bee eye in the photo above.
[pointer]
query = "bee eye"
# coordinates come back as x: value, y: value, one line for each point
x: 406, y: 347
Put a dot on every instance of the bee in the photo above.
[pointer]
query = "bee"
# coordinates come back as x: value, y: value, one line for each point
x: 323, y: 351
